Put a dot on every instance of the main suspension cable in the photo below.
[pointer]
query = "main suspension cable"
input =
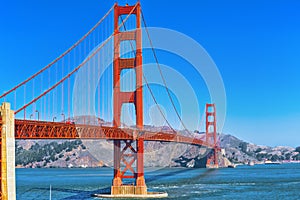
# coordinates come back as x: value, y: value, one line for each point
x: 161, y: 74
x: 77, y: 68
x: 149, y: 88
x: 61, y: 56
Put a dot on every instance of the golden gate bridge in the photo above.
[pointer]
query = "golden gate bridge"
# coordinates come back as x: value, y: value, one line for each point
x: 44, y: 97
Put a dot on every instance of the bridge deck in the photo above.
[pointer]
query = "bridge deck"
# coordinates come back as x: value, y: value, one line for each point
x: 31, y: 129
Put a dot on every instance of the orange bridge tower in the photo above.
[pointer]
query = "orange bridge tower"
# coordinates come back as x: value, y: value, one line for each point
x: 128, y: 153
x: 211, y: 136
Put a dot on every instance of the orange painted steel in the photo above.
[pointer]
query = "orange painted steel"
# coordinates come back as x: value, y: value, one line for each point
x: 211, y: 135
x: 135, y: 97
x: 123, y: 138
x: 31, y: 129
x: 0, y: 157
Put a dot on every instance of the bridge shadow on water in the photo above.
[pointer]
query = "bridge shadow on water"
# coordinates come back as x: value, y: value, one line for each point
x: 82, y: 194
x: 206, y: 172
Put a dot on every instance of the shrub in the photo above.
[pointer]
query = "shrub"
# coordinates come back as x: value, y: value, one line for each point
x: 67, y: 159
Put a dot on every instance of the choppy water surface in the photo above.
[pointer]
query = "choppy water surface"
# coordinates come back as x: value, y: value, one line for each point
x: 243, y: 182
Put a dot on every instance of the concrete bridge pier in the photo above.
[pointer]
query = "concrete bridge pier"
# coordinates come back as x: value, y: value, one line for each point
x: 7, y: 145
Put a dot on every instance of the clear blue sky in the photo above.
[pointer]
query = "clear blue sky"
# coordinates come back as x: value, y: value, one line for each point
x: 255, y: 44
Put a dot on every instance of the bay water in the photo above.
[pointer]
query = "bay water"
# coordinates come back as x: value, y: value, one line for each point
x: 244, y: 182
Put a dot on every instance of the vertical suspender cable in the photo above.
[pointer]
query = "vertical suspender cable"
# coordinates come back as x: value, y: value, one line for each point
x: 15, y: 100
x: 88, y: 75
x: 88, y: 79
x: 62, y: 86
x: 107, y: 79
x: 32, y: 96
x: 98, y: 72
x: 152, y: 95
x: 62, y: 55
x: 41, y: 103
x: 98, y: 83
x: 69, y: 67
x: 70, y: 74
x: 48, y: 110
x: 161, y: 74
x: 24, y: 101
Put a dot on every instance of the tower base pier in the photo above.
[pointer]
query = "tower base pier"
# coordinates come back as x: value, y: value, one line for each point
x: 134, y: 196
x: 7, y: 153
x: 128, y: 190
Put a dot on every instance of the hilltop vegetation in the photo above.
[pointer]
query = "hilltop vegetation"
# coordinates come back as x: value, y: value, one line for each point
x: 240, y: 151
x: 74, y: 153
x: 44, y: 153
x: 51, y: 154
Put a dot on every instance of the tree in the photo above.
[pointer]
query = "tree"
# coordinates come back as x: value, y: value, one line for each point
x: 296, y: 157
x: 47, y: 152
x: 244, y: 146
x: 288, y: 156
x: 275, y: 158
x: 52, y: 158
x: 258, y: 150
x: 298, y: 149
x: 261, y: 156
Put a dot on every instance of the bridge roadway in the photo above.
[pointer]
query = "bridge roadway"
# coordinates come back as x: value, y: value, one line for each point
x: 31, y: 129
